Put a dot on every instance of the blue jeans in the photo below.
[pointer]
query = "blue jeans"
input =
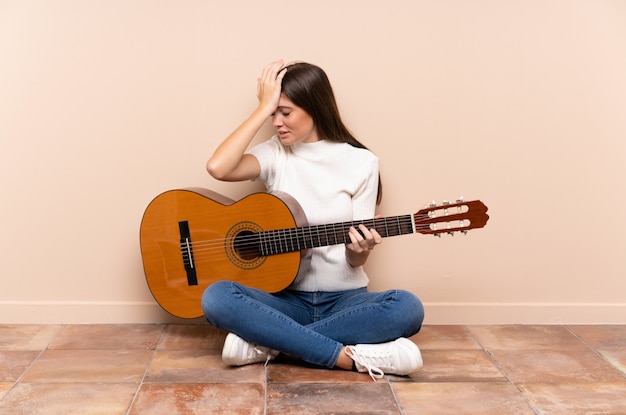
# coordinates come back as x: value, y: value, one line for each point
x: 312, y: 326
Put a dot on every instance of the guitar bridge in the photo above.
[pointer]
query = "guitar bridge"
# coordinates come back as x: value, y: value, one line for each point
x: 186, y: 250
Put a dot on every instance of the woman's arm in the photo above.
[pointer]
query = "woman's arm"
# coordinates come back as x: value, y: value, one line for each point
x: 229, y: 161
x: 363, y: 240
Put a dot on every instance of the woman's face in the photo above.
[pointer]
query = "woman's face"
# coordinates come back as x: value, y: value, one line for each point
x: 293, y: 124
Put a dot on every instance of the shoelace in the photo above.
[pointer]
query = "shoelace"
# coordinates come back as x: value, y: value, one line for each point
x: 366, y: 362
x: 269, y: 356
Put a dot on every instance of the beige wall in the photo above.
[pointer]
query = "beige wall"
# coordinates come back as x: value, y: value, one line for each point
x: 522, y: 104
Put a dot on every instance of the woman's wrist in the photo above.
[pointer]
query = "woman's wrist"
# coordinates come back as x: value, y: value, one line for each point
x: 356, y: 259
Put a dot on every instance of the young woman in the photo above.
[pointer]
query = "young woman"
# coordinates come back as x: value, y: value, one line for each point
x: 326, y: 317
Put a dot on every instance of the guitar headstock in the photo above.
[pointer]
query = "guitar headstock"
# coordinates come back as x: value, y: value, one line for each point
x: 460, y: 216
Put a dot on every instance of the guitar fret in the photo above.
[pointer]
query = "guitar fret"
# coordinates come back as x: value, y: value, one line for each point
x: 291, y: 249
x: 324, y: 241
x: 276, y: 242
x: 316, y: 241
x: 262, y: 250
x: 290, y: 238
x: 274, y: 247
x: 298, y: 240
x: 307, y: 237
x: 324, y: 236
x: 268, y: 243
x: 283, y: 242
x: 310, y: 239
x: 344, y: 229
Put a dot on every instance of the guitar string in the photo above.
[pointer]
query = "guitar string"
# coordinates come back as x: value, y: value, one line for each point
x: 296, y: 233
x: 209, y: 252
x: 291, y: 233
x: 206, y: 248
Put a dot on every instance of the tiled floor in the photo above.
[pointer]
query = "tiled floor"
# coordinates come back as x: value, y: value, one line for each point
x: 176, y: 369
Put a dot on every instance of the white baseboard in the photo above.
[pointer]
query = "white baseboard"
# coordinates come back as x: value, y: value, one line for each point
x: 84, y: 312
x: 525, y: 313
x: 118, y: 312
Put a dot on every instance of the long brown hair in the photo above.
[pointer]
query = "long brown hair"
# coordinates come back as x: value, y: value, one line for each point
x: 308, y: 87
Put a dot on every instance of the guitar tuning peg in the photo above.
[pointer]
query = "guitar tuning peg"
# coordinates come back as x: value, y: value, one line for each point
x: 438, y: 235
x: 464, y: 232
x: 451, y: 233
x: 433, y: 204
x: 445, y: 204
x: 460, y: 200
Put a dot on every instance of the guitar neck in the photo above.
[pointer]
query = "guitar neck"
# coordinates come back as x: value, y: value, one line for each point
x: 296, y: 239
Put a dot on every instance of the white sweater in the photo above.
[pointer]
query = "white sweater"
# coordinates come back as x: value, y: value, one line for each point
x: 333, y: 182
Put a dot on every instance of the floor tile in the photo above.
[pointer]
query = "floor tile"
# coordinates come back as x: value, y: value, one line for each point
x: 514, y: 337
x: 330, y: 398
x: 193, y: 336
x: 577, y: 398
x: 108, y: 337
x: 65, y: 366
x: 445, y: 337
x: 197, y: 366
x: 4, y: 388
x: 14, y: 363
x: 457, y: 366
x: 68, y: 399
x: 460, y: 398
x: 609, y: 341
x: 191, y: 399
x: 284, y: 371
x: 602, y: 337
x: 27, y: 336
x: 555, y: 366
x: 616, y: 357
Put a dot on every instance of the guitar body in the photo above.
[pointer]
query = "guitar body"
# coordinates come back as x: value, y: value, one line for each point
x: 177, y: 273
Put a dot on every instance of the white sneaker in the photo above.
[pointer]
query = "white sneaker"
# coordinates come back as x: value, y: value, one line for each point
x: 238, y: 352
x: 399, y: 357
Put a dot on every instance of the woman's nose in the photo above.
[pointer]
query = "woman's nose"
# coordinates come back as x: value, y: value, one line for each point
x: 277, y: 121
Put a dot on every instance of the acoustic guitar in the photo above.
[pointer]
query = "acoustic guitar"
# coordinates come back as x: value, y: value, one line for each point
x: 193, y: 237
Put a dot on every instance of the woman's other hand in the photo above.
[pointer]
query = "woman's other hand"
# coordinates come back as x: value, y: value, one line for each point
x: 269, y: 85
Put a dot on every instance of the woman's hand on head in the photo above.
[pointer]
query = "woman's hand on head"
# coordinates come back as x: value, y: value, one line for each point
x: 269, y: 85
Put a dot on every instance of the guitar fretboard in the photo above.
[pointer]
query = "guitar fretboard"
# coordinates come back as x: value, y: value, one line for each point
x: 281, y: 241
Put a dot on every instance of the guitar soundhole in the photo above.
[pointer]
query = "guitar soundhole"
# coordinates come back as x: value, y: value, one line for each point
x: 243, y: 247
x: 247, y: 245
